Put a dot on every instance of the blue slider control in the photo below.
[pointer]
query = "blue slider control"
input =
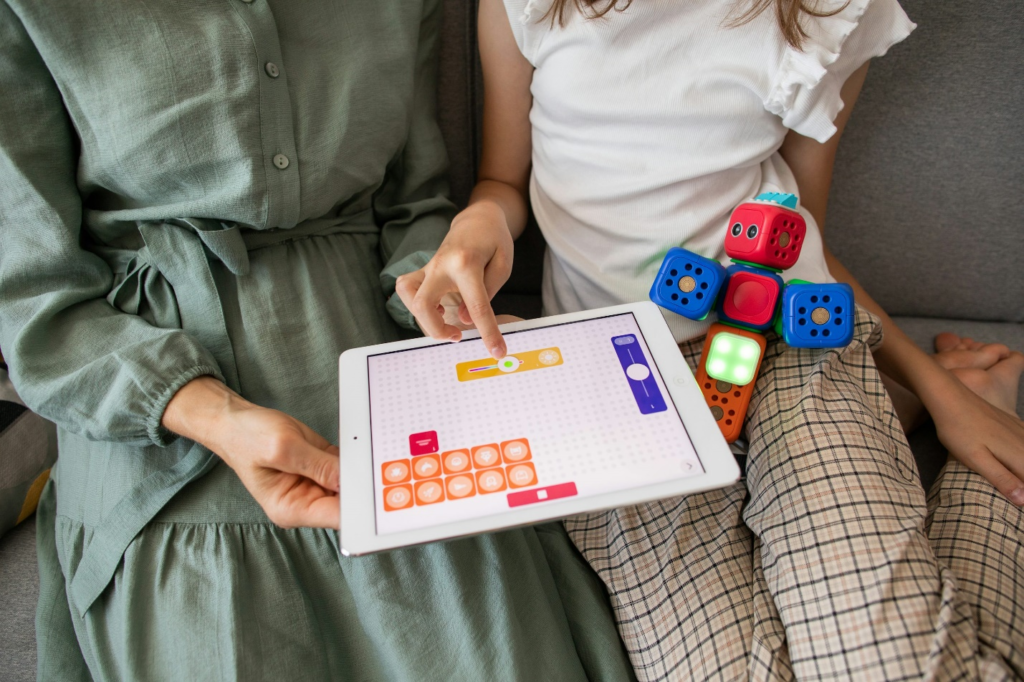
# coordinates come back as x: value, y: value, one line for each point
x: 638, y: 373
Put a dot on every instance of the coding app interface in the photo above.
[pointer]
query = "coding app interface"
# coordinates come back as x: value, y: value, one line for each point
x: 577, y: 409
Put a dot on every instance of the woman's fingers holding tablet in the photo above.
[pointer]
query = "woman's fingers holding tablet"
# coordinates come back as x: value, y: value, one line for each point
x: 296, y: 502
x: 291, y: 471
x: 297, y: 486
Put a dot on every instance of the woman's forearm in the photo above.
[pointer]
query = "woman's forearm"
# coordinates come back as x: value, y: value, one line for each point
x: 199, y: 408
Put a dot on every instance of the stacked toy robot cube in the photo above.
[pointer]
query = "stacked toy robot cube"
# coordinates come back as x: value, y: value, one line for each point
x: 765, y: 237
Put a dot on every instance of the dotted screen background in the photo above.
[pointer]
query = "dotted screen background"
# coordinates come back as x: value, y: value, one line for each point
x: 580, y: 417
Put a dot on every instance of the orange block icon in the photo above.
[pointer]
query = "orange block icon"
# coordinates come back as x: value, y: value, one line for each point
x: 515, y: 451
x: 490, y: 481
x: 426, y: 466
x: 522, y: 475
x: 397, y: 497
x: 485, y: 456
x: 429, y: 492
x: 395, y: 472
x: 460, y: 486
x: 456, y: 461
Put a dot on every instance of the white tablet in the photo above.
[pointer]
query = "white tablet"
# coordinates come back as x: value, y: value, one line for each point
x: 588, y: 411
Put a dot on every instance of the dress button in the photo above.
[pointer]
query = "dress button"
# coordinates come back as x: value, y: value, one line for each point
x: 281, y: 161
x: 272, y: 70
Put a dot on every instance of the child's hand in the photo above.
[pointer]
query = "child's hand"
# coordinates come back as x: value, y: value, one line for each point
x: 473, y: 262
x: 983, y: 437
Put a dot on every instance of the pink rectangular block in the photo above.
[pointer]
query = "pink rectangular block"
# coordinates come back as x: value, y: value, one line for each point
x: 424, y: 443
x: 552, y: 492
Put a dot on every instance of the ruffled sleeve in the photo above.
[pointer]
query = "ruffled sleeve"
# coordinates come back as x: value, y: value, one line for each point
x: 527, y: 18
x: 805, y: 92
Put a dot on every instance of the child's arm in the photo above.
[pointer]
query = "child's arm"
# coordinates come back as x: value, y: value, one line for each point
x: 476, y: 256
x: 986, y: 439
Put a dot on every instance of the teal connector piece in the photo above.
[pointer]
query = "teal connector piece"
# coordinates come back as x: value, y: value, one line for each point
x: 787, y: 200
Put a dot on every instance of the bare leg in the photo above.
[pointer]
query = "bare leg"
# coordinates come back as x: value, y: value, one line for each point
x: 909, y: 409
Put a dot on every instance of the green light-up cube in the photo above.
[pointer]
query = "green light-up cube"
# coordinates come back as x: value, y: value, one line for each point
x: 733, y: 358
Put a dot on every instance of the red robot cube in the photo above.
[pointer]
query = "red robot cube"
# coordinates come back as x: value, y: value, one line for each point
x: 765, y: 234
x: 751, y: 297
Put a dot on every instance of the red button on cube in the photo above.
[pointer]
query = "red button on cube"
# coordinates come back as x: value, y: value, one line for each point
x: 751, y: 297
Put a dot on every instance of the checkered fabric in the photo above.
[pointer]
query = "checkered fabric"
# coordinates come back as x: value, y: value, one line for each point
x: 826, y: 562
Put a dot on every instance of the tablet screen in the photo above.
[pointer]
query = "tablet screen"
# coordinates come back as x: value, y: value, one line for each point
x: 576, y: 409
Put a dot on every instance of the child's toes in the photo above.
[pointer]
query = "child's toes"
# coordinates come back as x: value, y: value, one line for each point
x: 1000, y: 350
x: 946, y: 341
x: 968, y: 359
x: 1011, y: 368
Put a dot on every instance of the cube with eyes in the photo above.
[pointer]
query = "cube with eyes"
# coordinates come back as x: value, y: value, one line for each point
x: 765, y: 233
x: 817, y: 315
x: 687, y: 284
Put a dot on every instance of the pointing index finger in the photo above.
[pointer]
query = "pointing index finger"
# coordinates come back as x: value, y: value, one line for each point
x: 478, y: 304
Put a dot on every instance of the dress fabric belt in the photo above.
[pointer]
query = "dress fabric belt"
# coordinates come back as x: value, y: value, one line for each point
x: 180, y: 252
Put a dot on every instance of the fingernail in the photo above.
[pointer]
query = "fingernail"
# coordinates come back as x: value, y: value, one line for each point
x: 1018, y: 496
x: 497, y: 351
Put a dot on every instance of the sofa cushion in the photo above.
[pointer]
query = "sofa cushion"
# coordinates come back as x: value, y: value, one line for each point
x: 458, y: 98
x: 927, y: 207
x: 28, y: 448
x: 19, y: 592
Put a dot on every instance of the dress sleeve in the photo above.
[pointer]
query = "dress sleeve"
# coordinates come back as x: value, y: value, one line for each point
x: 73, y: 357
x: 412, y: 207
x: 806, y: 88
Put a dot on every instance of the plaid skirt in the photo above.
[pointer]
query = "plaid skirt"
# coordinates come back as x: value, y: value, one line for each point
x: 828, y: 561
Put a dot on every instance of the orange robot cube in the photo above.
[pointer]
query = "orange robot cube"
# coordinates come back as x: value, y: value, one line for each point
x: 727, y: 373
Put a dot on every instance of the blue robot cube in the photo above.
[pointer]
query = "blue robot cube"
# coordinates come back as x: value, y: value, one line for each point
x: 817, y: 315
x: 687, y: 284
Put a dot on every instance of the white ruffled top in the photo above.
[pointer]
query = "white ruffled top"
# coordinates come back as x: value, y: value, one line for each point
x: 652, y: 123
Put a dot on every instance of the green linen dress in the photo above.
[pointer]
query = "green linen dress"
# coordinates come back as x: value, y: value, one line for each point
x: 230, y: 187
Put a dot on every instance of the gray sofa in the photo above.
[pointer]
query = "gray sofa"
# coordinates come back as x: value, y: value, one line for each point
x: 927, y: 210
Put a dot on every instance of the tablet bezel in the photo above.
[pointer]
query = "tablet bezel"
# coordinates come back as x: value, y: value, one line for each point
x: 357, y: 527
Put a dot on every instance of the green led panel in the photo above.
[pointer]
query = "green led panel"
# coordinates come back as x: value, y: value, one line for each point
x: 733, y: 358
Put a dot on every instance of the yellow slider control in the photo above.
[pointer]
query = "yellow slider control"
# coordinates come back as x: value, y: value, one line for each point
x: 510, y: 364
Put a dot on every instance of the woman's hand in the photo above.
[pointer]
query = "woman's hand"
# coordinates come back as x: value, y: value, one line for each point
x: 983, y: 437
x: 473, y: 262
x: 290, y: 470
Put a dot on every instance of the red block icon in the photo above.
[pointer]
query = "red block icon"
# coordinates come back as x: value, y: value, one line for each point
x: 424, y: 443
